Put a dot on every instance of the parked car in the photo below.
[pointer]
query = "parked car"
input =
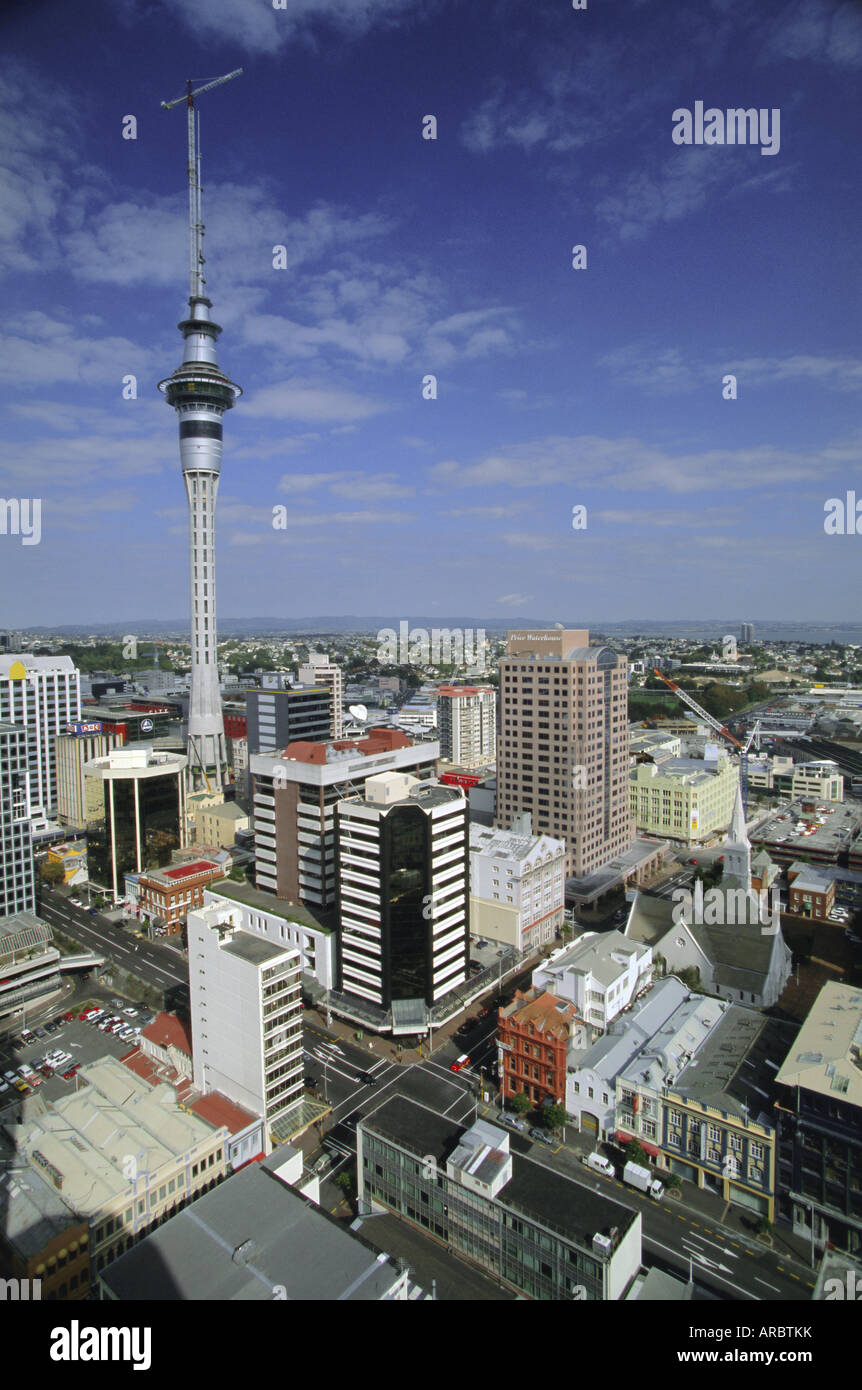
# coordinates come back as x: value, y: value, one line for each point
x: 47, y: 1071
x: 72, y: 1071
x: 541, y: 1136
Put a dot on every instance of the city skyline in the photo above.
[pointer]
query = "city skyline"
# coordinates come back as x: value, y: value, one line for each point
x: 556, y: 388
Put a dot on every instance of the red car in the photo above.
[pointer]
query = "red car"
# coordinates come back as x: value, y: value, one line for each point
x: 69, y: 1017
x: 462, y: 1062
x: 47, y: 1071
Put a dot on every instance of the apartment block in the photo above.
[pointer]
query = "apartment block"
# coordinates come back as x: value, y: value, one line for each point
x: 246, y: 1017
x: 295, y: 795
x: 321, y: 671
x: 563, y: 744
x: 467, y: 724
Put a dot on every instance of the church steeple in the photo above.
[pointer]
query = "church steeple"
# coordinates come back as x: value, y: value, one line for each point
x: 737, y: 847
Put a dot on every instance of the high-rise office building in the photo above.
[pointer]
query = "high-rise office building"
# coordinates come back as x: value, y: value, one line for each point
x: 17, y: 890
x: 143, y: 818
x: 319, y: 670
x: 246, y: 1017
x: 403, y: 875
x: 562, y: 744
x: 467, y: 724
x: 42, y: 695
x: 747, y: 633
x: 79, y: 799
x: 295, y: 795
x: 275, y: 718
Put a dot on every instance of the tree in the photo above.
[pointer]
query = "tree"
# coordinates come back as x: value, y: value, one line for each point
x: 555, y: 1116
x: 520, y: 1102
x: 636, y: 1153
x: 52, y: 872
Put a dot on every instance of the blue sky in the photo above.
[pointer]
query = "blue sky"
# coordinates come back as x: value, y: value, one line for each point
x: 556, y: 386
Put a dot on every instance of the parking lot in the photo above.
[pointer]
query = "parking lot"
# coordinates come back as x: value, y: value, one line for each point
x: 82, y: 1041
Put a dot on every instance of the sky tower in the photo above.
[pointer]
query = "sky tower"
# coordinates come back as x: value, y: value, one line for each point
x: 201, y: 392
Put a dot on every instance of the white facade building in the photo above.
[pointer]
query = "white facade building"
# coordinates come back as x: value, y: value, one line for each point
x: 284, y: 924
x: 467, y: 724
x: 246, y: 1016
x: 517, y: 886
x: 600, y: 974
x: 43, y: 695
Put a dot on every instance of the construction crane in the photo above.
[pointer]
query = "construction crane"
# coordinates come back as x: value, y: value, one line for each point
x: 196, y: 226
x: 719, y: 728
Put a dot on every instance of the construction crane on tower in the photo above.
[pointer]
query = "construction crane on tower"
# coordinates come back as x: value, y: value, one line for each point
x: 718, y: 728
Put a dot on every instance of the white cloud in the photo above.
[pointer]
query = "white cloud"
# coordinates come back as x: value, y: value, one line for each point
x: 258, y: 28
x: 631, y: 464
x: 310, y: 400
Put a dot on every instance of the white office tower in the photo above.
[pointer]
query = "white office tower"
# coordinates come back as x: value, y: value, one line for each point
x: 201, y: 392
x: 17, y: 892
x: 467, y: 724
x: 319, y: 670
x: 246, y: 1017
x: 403, y: 874
x: 41, y: 694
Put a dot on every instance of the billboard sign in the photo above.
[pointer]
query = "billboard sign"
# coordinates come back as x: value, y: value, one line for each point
x: 92, y: 728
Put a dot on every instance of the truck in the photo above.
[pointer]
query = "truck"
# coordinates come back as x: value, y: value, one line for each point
x: 641, y: 1178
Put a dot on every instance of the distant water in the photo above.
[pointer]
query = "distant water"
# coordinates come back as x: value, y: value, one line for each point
x: 763, y: 632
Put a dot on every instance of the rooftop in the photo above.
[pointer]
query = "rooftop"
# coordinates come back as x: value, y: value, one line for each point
x: 259, y: 901
x: 512, y: 844
x: 166, y: 1030
x: 32, y: 1212
x: 604, y: 955
x: 734, y: 1070
x: 826, y: 1057
x: 534, y: 1190
x: 248, y: 1240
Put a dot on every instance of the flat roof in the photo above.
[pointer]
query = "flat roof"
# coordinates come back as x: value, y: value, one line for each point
x: 248, y: 1240
x: 265, y: 902
x: 255, y: 949
x: 826, y: 1057
x: 534, y: 1189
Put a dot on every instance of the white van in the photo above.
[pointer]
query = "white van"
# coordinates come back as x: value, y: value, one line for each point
x: 600, y: 1164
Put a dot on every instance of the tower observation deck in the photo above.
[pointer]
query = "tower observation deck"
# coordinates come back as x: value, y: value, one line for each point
x: 201, y: 392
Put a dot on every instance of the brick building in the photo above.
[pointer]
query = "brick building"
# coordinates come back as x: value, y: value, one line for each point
x: 171, y: 894
x: 533, y: 1033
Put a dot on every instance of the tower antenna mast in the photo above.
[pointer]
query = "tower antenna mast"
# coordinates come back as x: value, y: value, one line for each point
x: 197, y: 279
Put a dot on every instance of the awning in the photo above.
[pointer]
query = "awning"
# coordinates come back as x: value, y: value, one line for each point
x: 624, y: 1138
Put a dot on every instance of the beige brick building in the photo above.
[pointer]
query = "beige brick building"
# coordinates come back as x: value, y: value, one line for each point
x: 563, y: 744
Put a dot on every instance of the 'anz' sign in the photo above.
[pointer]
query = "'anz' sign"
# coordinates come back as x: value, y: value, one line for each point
x: 94, y: 728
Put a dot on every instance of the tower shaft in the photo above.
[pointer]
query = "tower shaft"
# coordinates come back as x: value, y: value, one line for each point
x: 201, y: 392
